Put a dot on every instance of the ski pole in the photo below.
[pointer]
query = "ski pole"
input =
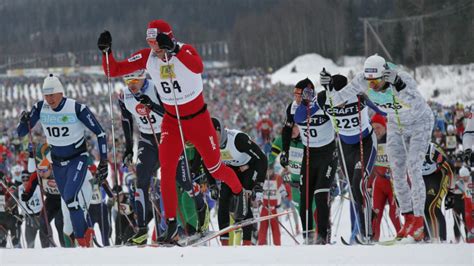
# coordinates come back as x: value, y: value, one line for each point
x: 40, y: 183
x: 114, y: 154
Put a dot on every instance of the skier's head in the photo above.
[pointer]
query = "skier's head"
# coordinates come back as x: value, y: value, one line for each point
x: 299, y: 87
x: 465, y: 174
x: 53, y: 90
x: 25, y: 176
x: 135, y: 80
x: 154, y: 27
x: 16, y: 172
x: 338, y: 82
x: 373, y: 68
x: 379, y: 123
x: 158, y: 26
x: 220, y: 130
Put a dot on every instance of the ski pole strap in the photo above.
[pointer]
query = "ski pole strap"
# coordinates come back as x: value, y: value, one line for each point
x: 399, y: 124
x: 191, y: 116
x: 333, y: 118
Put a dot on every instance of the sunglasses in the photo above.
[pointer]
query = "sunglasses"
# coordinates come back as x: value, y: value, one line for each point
x: 43, y: 170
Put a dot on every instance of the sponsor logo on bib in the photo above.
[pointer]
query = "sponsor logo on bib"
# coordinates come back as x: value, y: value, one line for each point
x: 142, y: 109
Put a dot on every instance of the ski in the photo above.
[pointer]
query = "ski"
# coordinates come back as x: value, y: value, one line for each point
x: 236, y: 226
x: 343, y: 241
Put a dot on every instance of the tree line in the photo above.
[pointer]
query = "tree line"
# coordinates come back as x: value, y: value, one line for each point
x: 260, y: 33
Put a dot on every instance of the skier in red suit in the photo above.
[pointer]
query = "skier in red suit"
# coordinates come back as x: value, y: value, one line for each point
x: 382, y: 191
x: 176, y: 70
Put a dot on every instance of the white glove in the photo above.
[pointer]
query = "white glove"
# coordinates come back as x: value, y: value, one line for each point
x: 390, y: 76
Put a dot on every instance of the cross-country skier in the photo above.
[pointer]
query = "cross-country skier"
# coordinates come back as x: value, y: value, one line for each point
x: 9, y: 216
x: 292, y: 173
x: 318, y: 137
x: 140, y: 102
x: 64, y: 122
x: 176, y: 69
x: 33, y: 206
x: 357, y: 140
x: 43, y: 170
x: 382, y: 191
x: 437, y: 175
x: 410, y: 122
x: 249, y: 163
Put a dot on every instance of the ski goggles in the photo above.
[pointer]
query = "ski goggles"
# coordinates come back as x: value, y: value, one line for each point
x: 374, y: 83
x: 131, y: 81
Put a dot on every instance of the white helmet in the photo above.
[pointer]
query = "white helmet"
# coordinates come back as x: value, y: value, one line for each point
x: 464, y: 172
x: 52, y: 85
x: 373, y: 67
x: 139, y: 74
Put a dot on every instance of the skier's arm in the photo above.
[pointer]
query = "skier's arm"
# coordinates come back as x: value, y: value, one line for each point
x: 190, y: 58
x: 301, y: 113
x: 259, y: 161
x: 119, y: 68
x: 89, y: 120
x: 127, y: 125
x: 357, y: 86
x: 22, y: 128
x: 373, y: 106
x: 286, y: 130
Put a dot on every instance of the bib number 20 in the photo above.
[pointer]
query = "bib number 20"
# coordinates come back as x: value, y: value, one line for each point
x: 167, y: 88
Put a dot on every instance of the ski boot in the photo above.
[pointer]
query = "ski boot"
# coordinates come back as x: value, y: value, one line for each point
x: 86, y: 241
x: 417, y: 229
x: 203, y: 219
x: 170, y: 235
x: 409, y: 218
x: 239, y: 206
x: 139, y: 238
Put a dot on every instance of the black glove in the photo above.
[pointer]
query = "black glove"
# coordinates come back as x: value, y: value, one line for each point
x: 164, y: 42
x: 24, y: 197
x: 102, y: 170
x: 284, y: 159
x: 105, y: 41
x: 128, y: 157
x: 117, y: 189
x: 145, y: 100
x: 214, y: 191
x: 25, y: 117
x: 449, y: 201
x: 257, y: 190
x: 466, y: 156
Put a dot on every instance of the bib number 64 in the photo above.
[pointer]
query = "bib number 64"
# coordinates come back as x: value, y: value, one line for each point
x: 167, y: 88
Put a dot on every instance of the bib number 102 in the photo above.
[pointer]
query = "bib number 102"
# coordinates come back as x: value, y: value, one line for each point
x: 58, y: 131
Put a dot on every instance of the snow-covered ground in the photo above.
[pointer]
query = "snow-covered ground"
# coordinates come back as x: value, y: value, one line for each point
x: 287, y: 254
x: 455, y: 83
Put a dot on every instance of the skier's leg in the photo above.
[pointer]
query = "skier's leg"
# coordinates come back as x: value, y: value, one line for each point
x: 202, y: 134
x: 223, y: 211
